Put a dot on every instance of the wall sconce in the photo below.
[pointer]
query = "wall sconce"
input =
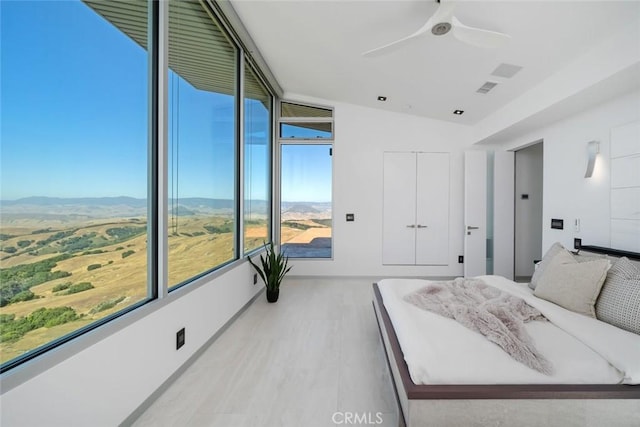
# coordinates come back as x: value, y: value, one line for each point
x: 593, y: 148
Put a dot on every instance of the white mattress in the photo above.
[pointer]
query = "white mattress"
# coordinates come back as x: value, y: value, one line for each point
x: 438, y: 350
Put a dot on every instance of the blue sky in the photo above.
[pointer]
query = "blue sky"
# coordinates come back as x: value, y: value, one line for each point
x: 306, y: 173
x: 74, y: 109
x: 74, y: 115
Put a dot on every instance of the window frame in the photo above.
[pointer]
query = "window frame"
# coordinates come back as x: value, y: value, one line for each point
x: 246, y: 62
x: 277, y: 226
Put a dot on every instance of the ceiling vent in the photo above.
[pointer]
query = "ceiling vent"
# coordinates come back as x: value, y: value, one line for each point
x: 486, y: 87
x: 506, y: 70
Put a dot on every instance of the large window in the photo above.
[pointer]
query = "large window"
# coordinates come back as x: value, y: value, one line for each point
x: 306, y: 219
x: 257, y: 158
x: 202, y: 143
x: 73, y: 210
x: 83, y: 165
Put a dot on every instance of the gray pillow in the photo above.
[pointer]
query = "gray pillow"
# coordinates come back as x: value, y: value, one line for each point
x: 619, y: 301
x: 542, y: 265
x: 571, y: 284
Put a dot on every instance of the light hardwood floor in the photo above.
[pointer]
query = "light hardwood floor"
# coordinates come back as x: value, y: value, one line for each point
x: 311, y: 359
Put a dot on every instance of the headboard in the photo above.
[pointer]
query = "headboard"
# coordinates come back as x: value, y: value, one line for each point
x: 610, y: 253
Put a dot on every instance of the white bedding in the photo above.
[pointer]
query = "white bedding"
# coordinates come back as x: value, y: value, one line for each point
x: 438, y: 350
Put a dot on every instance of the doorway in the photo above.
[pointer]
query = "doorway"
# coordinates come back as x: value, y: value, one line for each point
x: 528, y: 209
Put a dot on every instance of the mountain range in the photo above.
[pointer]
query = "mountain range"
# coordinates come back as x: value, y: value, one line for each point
x: 123, y: 206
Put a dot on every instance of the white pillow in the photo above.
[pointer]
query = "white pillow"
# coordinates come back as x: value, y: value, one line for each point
x: 542, y: 265
x: 571, y: 284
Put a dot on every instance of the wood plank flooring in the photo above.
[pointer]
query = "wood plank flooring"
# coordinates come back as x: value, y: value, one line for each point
x: 314, y: 358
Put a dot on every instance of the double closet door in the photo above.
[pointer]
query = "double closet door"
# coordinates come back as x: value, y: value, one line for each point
x: 416, y: 208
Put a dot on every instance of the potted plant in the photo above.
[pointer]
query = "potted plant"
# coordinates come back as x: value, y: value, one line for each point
x: 274, y: 267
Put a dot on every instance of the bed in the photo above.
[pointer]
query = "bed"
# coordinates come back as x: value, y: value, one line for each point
x: 447, y: 375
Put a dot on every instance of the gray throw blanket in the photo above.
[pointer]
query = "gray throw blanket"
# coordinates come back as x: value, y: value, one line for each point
x: 497, y: 315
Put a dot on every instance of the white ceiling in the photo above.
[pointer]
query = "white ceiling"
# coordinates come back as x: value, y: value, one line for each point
x: 314, y: 47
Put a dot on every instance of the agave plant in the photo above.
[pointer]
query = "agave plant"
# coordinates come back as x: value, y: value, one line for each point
x: 274, y: 267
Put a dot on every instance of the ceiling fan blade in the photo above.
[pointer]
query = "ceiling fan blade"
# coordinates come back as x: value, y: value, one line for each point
x: 478, y: 37
x: 390, y: 47
x: 443, y: 13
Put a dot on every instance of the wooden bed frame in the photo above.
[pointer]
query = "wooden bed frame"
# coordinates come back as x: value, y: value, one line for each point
x: 508, y: 405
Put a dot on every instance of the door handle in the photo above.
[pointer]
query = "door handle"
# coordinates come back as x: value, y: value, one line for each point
x: 469, y: 227
x: 411, y: 226
x: 422, y: 226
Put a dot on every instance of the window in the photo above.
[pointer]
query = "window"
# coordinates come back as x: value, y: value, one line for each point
x: 306, y: 219
x: 306, y: 179
x: 257, y: 158
x: 73, y: 222
x: 305, y: 122
x: 83, y: 162
x: 202, y: 143
x: 306, y: 133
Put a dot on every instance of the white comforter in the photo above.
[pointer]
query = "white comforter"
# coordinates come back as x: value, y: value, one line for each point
x: 438, y: 350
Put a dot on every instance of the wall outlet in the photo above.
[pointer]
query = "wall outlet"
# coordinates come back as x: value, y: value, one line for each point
x: 255, y: 278
x: 179, y: 339
x: 460, y: 259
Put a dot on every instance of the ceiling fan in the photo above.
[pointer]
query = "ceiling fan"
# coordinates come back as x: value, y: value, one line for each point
x: 440, y: 23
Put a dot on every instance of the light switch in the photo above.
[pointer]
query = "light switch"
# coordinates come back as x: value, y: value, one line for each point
x: 556, y: 223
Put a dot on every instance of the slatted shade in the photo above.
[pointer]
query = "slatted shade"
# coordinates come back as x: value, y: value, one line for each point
x: 289, y: 109
x: 199, y: 49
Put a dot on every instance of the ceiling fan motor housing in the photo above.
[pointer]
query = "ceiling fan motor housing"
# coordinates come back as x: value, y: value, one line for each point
x: 441, y: 28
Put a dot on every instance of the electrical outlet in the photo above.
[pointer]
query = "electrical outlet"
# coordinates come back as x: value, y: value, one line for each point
x: 179, y: 339
x: 460, y: 259
x: 255, y: 278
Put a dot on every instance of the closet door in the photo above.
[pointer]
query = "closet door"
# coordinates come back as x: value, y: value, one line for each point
x: 399, y: 211
x: 432, y: 209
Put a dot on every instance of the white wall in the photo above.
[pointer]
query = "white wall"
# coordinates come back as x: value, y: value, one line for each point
x: 361, y: 137
x: 567, y: 194
x: 625, y: 187
x: 103, y: 384
x: 528, y: 212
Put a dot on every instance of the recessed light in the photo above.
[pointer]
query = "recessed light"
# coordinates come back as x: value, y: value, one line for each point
x: 382, y: 98
x: 458, y: 112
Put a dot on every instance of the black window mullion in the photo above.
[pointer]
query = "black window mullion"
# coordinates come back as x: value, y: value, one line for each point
x: 153, y: 196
